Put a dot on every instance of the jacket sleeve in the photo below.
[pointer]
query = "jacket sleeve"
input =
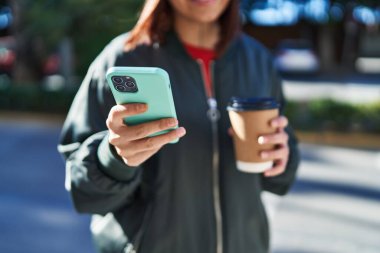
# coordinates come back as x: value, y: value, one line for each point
x: 98, y: 180
x: 281, y: 184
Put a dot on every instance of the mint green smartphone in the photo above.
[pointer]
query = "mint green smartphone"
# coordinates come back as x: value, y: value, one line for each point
x: 147, y: 85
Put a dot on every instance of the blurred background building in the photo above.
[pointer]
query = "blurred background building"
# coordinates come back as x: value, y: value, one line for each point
x: 54, y: 41
x: 318, y: 35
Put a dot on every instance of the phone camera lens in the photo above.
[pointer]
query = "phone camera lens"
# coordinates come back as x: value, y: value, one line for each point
x: 124, y: 83
x: 117, y: 80
x: 130, y: 84
x: 121, y: 88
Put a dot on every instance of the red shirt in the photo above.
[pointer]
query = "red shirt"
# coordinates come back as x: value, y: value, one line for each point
x: 205, y: 57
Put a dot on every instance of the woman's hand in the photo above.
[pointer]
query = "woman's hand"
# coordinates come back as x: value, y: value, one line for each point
x: 280, y: 154
x: 132, y: 143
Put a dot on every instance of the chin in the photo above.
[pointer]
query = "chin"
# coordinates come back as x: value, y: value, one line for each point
x: 207, y: 19
x: 204, y: 11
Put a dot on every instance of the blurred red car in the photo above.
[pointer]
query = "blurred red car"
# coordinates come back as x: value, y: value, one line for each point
x: 7, y: 55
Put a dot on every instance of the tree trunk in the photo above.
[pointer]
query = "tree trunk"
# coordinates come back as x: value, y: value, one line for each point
x: 28, y: 66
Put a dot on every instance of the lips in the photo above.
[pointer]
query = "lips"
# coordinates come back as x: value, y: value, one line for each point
x: 203, y: 1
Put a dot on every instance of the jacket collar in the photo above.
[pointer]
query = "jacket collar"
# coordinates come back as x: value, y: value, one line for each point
x: 175, y: 46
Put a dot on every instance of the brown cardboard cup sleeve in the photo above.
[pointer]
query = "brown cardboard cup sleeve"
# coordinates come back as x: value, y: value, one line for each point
x: 250, y: 119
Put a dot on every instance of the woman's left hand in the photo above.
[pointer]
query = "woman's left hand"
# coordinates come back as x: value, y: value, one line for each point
x: 280, y: 154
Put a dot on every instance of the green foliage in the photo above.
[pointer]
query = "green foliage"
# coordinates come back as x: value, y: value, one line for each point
x: 35, y: 98
x: 336, y: 115
x: 90, y: 23
x: 320, y: 115
x: 369, y: 115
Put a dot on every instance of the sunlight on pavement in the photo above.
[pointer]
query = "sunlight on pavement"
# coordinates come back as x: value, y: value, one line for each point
x: 333, y: 206
x: 349, y: 92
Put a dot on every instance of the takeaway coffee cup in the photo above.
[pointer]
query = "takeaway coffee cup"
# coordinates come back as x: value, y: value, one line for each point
x: 250, y: 118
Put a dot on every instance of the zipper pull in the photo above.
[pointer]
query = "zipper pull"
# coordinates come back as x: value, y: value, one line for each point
x: 213, y: 113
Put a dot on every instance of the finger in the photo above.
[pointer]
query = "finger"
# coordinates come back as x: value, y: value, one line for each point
x: 150, y: 143
x: 117, y: 139
x: 139, y: 158
x: 119, y: 112
x: 145, y: 129
x: 282, y: 152
x: 279, y: 122
x: 278, y: 169
x: 231, y: 131
x: 277, y: 138
x: 123, y: 135
x: 159, y: 140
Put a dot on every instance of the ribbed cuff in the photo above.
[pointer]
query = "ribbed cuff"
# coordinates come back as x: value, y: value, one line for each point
x: 112, y: 165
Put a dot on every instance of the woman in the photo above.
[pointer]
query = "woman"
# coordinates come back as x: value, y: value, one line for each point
x: 184, y: 197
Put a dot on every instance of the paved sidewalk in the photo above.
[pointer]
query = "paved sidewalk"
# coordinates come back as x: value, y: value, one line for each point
x: 334, y: 205
x: 346, y: 92
x: 36, y: 214
x: 345, y: 87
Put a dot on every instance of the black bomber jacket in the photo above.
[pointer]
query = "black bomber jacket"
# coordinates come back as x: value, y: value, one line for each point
x: 175, y: 202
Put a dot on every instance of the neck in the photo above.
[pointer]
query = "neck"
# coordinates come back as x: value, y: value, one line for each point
x: 205, y: 35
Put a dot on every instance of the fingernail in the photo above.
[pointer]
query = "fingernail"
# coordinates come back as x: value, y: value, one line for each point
x: 264, y: 155
x: 261, y: 140
x: 274, y: 123
x: 181, y: 131
x: 141, y: 107
x: 137, y: 107
x: 172, y: 122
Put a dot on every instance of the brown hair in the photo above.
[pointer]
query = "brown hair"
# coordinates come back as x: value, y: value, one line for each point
x: 156, y: 19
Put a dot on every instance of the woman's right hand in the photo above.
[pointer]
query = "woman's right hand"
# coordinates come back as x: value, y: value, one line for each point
x: 132, y: 143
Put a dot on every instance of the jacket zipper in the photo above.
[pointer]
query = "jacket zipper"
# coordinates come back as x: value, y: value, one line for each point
x: 134, y: 245
x: 213, y: 114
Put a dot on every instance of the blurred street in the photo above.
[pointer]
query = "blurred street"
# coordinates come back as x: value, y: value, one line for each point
x: 36, y: 215
x: 350, y: 88
x: 333, y: 207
